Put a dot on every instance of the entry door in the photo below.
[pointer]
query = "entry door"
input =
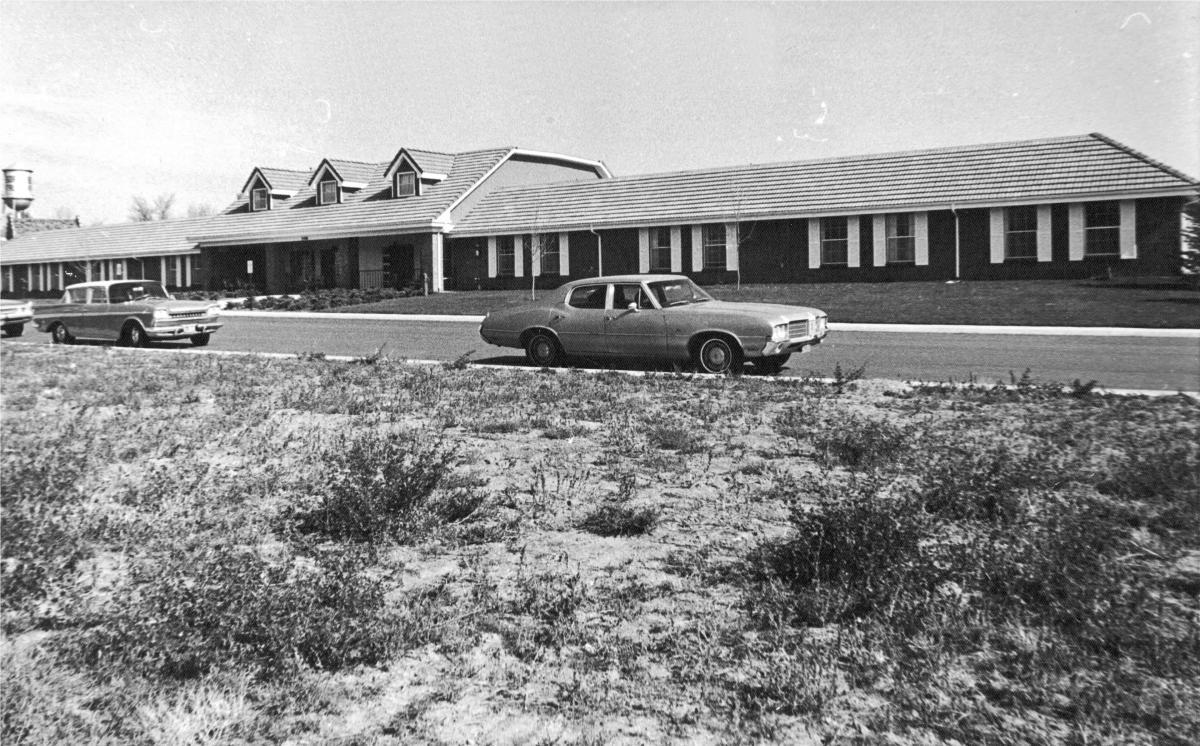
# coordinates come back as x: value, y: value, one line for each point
x: 397, y: 265
x: 640, y: 331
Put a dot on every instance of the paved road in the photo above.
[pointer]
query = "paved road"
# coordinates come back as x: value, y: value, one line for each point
x: 1114, y: 362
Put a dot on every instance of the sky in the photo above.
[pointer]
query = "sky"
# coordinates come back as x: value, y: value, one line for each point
x: 107, y: 100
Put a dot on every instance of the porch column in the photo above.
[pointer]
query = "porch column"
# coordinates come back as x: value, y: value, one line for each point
x: 437, y: 263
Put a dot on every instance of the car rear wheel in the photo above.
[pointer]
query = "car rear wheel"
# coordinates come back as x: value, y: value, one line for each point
x: 542, y: 350
x: 771, y: 364
x: 14, y: 330
x: 60, y: 335
x: 199, y: 340
x: 133, y: 336
x: 717, y: 355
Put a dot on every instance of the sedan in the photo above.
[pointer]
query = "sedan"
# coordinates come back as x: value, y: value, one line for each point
x: 129, y: 312
x: 655, y: 317
x: 14, y: 314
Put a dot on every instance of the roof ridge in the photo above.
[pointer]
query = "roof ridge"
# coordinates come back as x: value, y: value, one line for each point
x: 1142, y: 157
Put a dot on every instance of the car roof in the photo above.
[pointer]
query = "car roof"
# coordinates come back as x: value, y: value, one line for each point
x: 623, y: 278
x: 105, y: 283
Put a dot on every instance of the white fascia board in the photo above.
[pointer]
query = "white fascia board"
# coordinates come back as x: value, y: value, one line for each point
x: 745, y: 217
x: 314, y: 235
x: 430, y: 176
x: 283, y: 192
x: 355, y: 185
x: 594, y: 165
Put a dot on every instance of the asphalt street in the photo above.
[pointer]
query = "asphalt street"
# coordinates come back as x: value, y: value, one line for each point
x: 1122, y: 362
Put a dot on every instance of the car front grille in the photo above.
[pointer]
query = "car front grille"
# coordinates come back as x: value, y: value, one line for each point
x: 797, y: 329
x: 182, y: 315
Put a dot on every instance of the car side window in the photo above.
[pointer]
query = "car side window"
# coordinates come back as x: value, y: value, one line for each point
x: 76, y: 295
x: 588, y: 296
x: 98, y: 295
x: 623, y: 295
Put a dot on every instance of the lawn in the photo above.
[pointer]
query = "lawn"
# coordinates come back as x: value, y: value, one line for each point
x: 210, y: 549
x: 1032, y: 303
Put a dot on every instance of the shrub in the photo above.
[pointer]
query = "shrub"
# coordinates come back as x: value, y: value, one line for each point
x: 619, y: 519
x: 859, y: 441
x: 670, y: 436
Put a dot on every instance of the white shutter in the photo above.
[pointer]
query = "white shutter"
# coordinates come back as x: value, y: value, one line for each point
x: 1075, y: 232
x: 731, y: 247
x: 697, y: 248
x: 921, y: 235
x: 1128, y: 235
x: 492, y: 263
x: 564, y: 254
x: 518, y: 256
x: 1044, y: 253
x: 536, y: 243
x: 814, y: 243
x: 879, y: 239
x: 676, y: 249
x: 852, y: 241
x: 643, y: 250
x: 997, y: 235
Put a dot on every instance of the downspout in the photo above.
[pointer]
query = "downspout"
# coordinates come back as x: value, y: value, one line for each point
x: 599, y: 251
x: 956, y: 247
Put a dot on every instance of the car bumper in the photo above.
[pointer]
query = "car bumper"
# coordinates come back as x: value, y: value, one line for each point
x: 175, y: 331
x: 22, y: 319
x: 790, y: 346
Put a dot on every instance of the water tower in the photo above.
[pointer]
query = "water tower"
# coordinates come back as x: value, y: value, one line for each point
x: 18, y: 189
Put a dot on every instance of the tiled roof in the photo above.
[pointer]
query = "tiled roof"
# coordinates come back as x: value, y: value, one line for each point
x: 357, y: 171
x: 432, y: 162
x: 361, y: 211
x: 17, y: 226
x: 996, y: 173
x: 155, y: 238
x: 286, y: 179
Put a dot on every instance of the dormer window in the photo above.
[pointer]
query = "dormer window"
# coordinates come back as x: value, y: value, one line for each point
x: 260, y: 199
x: 328, y: 193
x: 406, y: 184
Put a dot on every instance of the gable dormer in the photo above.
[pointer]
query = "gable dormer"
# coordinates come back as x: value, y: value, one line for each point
x: 330, y: 184
x: 407, y: 176
x: 267, y: 185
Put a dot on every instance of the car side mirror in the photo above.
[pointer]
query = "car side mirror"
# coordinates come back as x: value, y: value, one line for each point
x: 632, y: 307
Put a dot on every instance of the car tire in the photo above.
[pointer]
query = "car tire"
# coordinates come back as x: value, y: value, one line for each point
x: 60, y: 335
x: 133, y: 336
x: 14, y: 330
x: 541, y: 349
x: 717, y: 355
x: 199, y: 340
x: 771, y: 364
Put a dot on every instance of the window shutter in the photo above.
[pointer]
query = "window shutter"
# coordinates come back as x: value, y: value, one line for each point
x: 921, y: 236
x: 697, y: 248
x: 1128, y: 235
x: 518, y: 256
x: 814, y: 243
x: 492, y: 263
x: 731, y: 247
x: 879, y: 239
x: 643, y: 250
x: 676, y: 249
x: 536, y: 244
x: 1075, y: 232
x: 852, y: 241
x: 997, y: 235
x: 564, y: 254
x: 1043, y: 234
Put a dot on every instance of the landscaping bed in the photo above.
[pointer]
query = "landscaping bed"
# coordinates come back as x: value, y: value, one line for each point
x: 210, y: 549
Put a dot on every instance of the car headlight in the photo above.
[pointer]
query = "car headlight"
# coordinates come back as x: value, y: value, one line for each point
x: 779, y: 333
x: 161, y: 314
x: 214, y: 310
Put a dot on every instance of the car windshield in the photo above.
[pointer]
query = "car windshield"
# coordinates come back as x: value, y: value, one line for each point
x: 123, y: 292
x: 678, y: 292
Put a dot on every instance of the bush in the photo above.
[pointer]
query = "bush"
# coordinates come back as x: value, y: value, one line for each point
x: 619, y: 519
x: 859, y: 441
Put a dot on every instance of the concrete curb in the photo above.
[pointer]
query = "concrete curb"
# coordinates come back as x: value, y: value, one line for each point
x: 1040, y: 331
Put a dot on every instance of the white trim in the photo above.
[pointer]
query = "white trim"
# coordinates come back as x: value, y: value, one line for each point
x: 162, y: 270
x: 317, y: 234
x: 879, y: 240
x: 852, y: 241
x: 565, y: 158
x: 1075, y: 232
x: 1044, y: 235
x: 996, y: 234
x: 518, y: 255
x: 564, y: 253
x: 445, y: 216
x: 921, y: 238
x: 732, y: 260
x: 493, y: 263
x: 187, y: 271
x: 1128, y: 234
x: 432, y: 177
x: 437, y: 269
x: 698, y: 248
x: 676, y: 249
x: 643, y: 250
x: 814, y: 243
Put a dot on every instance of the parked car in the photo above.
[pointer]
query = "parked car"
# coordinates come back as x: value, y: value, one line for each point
x: 129, y: 312
x: 14, y: 314
x: 655, y: 317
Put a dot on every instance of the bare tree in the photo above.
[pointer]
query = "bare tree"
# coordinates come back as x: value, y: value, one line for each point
x: 143, y: 211
x: 196, y: 210
x: 541, y: 245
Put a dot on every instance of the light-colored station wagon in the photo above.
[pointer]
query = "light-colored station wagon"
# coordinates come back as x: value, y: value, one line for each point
x: 129, y: 312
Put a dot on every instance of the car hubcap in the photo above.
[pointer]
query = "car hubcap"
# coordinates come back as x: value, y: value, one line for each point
x: 716, y: 357
x: 541, y: 350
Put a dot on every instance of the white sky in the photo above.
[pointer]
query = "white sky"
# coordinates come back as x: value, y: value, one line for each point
x: 104, y: 101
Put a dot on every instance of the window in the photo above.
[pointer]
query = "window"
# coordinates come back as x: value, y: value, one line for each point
x: 328, y: 193
x: 1101, y: 229
x: 623, y: 295
x: 901, y: 239
x: 835, y: 241
x: 506, y: 257
x: 660, y: 249
x: 713, y: 239
x: 546, y: 244
x: 1020, y: 232
x: 259, y: 199
x: 588, y: 296
x: 406, y: 184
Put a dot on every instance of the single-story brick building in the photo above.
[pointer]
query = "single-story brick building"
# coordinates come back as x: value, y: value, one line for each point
x: 1052, y: 208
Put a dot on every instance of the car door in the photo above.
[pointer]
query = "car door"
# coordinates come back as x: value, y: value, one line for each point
x: 109, y: 313
x: 89, y: 318
x: 634, y: 325
x: 579, y: 322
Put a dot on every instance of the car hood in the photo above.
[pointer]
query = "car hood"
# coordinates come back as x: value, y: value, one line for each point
x: 758, y: 310
x: 175, y: 305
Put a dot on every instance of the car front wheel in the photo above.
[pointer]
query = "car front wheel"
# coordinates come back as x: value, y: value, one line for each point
x: 133, y: 336
x: 60, y: 335
x: 542, y: 350
x: 717, y: 355
x: 199, y: 340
